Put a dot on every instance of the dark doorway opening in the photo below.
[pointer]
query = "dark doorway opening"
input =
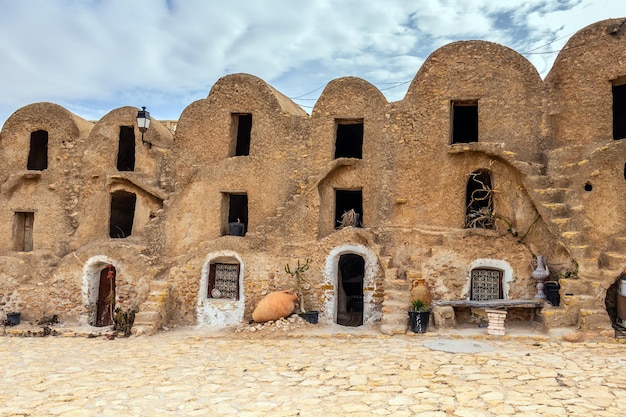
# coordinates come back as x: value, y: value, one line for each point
x: 122, y: 214
x: 237, y: 211
x: 38, y: 153
x: 242, y: 130
x: 464, y: 121
x: 23, y: 231
x: 105, y: 305
x: 351, y: 273
x: 126, y: 149
x: 349, y: 141
x: 345, y: 201
x: 619, y: 111
x: 478, y: 201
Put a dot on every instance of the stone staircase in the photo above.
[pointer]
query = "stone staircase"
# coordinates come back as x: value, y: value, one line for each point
x: 557, y: 203
x: 396, y: 300
x: 154, y: 312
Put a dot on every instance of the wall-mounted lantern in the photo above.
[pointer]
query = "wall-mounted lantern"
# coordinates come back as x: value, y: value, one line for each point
x: 143, y: 122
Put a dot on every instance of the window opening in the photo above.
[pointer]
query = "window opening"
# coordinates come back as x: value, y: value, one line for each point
x: 105, y: 305
x: 588, y: 187
x: 486, y: 284
x: 619, y: 108
x: 224, y: 281
x: 241, y: 129
x: 348, y: 208
x: 38, y: 153
x: 349, y: 140
x: 237, y: 219
x: 464, y: 121
x: 122, y: 214
x: 126, y: 149
x: 23, y: 231
x: 479, y: 201
x: 350, y: 296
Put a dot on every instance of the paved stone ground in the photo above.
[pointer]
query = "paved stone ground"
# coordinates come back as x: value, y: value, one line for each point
x: 191, y: 372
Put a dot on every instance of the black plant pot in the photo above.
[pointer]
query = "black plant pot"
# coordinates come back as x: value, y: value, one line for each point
x: 551, y: 289
x: 310, y: 316
x: 13, y: 319
x: 418, y: 321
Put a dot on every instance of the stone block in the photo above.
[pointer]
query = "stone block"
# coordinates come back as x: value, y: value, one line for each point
x: 593, y: 320
x: 443, y: 317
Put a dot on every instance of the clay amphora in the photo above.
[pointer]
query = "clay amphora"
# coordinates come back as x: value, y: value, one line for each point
x: 274, y: 306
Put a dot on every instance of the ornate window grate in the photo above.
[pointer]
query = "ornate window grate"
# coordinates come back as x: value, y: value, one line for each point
x: 486, y: 284
x: 224, y: 281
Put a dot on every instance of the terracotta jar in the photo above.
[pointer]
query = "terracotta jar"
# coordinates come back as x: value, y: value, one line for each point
x: 420, y: 291
x: 274, y: 306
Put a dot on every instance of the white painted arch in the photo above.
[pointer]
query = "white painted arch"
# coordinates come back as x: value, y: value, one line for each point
x: 217, y: 312
x: 504, y: 266
x: 90, y: 286
x: 330, y: 275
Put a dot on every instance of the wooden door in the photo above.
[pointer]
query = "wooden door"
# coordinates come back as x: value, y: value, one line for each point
x: 106, y: 297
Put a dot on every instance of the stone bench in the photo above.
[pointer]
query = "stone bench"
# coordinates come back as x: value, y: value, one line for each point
x: 445, y: 316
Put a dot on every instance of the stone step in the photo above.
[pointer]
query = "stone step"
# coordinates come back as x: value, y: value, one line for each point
x: 393, y: 329
x: 594, y: 319
x: 397, y: 284
x: 558, y: 210
x: 391, y: 274
x: 561, y: 223
x: 552, y: 194
x: 385, y: 261
x: 612, y: 261
x: 555, y: 317
x: 619, y: 244
x: 162, y: 285
x: 147, y: 318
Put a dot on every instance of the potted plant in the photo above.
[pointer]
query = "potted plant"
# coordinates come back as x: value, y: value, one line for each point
x: 301, y: 285
x: 419, y: 315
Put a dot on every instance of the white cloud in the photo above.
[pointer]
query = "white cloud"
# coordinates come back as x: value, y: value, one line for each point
x: 94, y: 56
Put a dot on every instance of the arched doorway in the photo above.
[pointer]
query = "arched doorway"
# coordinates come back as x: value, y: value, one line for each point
x: 350, y: 274
x: 106, y: 297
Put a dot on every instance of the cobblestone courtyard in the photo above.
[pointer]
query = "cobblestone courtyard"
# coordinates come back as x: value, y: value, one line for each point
x: 188, y: 372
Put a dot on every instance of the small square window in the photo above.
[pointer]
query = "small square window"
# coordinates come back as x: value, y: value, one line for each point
x: 349, y: 140
x: 464, y: 121
x: 241, y: 130
x: 348, y: 208
x: 619, y: 108
x: 23, y: 222
x: 235, y: 212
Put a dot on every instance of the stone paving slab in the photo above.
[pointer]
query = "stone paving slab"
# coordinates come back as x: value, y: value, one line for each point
x: 194, y: 372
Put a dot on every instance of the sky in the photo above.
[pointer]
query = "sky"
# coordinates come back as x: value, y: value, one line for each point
x: 94, y: 56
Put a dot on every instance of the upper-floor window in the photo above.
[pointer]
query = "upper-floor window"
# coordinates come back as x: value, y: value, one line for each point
x: 240, y: 131
x: 464, y: 121
x: 38, y: 153
x: 619, y: 108
x: 479, y: 201
x: 349, y: 139
x: 126, y: 149
x: 122, y: 214
x: 235, y: 206
x: 23, y: 222
x: 348, y: 208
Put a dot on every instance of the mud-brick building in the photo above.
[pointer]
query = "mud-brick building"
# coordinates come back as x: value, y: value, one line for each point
x: 482, y: 167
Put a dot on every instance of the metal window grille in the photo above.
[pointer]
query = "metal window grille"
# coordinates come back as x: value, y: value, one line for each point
x: 486, y: 284
x: 225, y: 278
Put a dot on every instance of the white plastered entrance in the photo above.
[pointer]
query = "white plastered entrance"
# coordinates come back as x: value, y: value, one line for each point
x: 331, y: 273
x: 90, y: 286
x: 219, y: 312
